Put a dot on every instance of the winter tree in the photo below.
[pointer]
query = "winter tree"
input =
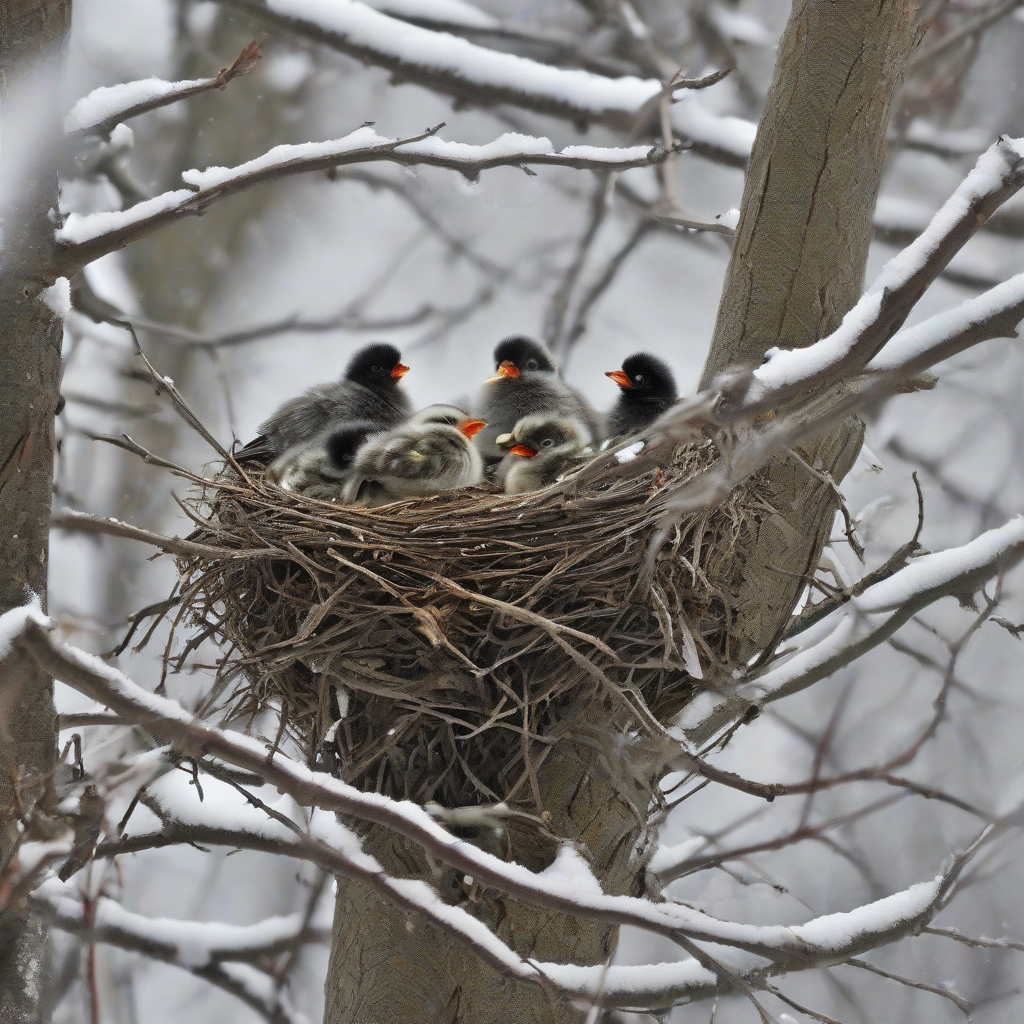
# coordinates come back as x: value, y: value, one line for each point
x: 695, y: 733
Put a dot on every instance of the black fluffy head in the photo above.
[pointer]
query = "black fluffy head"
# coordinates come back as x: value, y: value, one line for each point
x: 650, y: 378
x: 344, y: 443
x: 377, y: 365
x: 524, y: 353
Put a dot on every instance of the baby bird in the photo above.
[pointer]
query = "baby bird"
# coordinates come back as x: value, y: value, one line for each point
x: 541, y: 449
x: 320, y: 468
x: 648, y: 388
x: 427, y: 455
x: 525, y: 383
x: 368, y: 391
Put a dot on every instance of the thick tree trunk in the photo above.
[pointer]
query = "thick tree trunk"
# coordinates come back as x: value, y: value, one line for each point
x: 32, y: 34
x: 797, y: 266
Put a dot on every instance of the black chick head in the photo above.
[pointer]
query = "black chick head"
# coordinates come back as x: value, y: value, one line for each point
x: 341, y: 446
x: 377, y: 364
x: 523, y: 353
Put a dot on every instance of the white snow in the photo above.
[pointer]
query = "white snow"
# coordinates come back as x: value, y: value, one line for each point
x: 630, y: 452
x: 443, y: 12
x: 926, y: 341
x: 733, y: 135
x: 109, y: 101
x: 740, y: 27
x: 834, y: 931
x: 13, y: 622
x: 637, y: 980
x: 190, y: 943
x: 363, y: 27
x: 58, y: 297
x: 83, y: 227
x: 729, y: 219
x: 666, y: 857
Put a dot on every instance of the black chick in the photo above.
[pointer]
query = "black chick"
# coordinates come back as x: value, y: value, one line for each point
x: 322, y: 467
x: 525, y: 383
x: 368, y: 391
x: 647, y: 389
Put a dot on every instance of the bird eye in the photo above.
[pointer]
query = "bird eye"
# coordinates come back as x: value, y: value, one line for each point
x: 547, y: 442
x: 638, y: 380
x: 376, y: 369
x: 532, y: 364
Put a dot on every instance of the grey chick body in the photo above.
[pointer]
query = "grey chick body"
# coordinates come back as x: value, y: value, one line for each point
x: 525, y: 383
x: 542, y: 448
x: 368, y: 391
x: 417, y: 459
x: 321, y: 467
x: 647, y: 389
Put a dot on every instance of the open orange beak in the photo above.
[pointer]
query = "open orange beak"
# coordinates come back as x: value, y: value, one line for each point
x: 523, y: 449
x: 507, y: 369
x: 620, y: 378
x: 472, y: 427
x: 399, y: 371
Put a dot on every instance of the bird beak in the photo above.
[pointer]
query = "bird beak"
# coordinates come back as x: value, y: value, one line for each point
x: 507, y: 369
x: 620, y: 378
x: 503, y: 439
x: 399, y: 371
x: 471, y: 427
x: 523, y: 449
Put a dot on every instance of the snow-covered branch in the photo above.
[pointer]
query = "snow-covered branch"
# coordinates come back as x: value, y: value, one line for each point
x: 862, y: 623
x: 885, y: 305
x: 85, y: 237
x: 481, y: 76
x: 566, y: 887
x: 99, y: 111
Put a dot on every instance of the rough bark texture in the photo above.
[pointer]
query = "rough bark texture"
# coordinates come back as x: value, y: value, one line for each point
x: 32, y: 33
x: 797, y: 266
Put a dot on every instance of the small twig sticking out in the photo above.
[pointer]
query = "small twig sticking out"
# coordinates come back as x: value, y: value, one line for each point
x: 242, y: 65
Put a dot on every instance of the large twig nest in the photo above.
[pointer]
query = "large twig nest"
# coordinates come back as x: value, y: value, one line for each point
x: 457, y: 637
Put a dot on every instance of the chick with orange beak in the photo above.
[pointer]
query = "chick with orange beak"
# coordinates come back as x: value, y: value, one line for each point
x: 368, y: 392
x: 525, y: 383
x: 647, y: 389
x: 432, y: 453
x: 541, y: 449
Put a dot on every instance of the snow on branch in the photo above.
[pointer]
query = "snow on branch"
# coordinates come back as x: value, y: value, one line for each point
x: 186, y: 943
x: 864, y: 622
x: 567, y: 887
x: 102, y: 109
x: 85, y: 237
x: 481, y: 76
x: 885, y: 305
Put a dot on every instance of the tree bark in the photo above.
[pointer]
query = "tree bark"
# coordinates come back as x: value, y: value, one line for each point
x: 797, y: 266
x: 32, y: 34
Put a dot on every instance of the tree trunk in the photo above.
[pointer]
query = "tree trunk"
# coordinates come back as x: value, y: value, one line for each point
x: 32, y: 34
x: 797, y: 266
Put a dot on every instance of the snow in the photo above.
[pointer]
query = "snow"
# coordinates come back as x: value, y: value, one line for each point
x: 442, y: 12
x: 630, y: 452
x: 835, y: 931
x: 365, y: 28
x: 740, y: 27
x: 925, y: 341
x: 733, y: 135
x: 83, y: 227
x: 666, y: 857
x: 639, y: 980
x: 190, y: 943
x: 986, y: 177
x: 110, y: 101
x: 13, y: 622
x: 923, y: 574
x: 729, y: 219
x: 58, y: 297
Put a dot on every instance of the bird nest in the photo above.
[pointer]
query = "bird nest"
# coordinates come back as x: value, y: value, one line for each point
x: 436, y: 649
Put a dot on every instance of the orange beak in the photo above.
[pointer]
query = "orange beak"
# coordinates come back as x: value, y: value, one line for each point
x: 507, y: 369
x: 523, y: 449
x: 471, y: 427
x: 620, y: 378
x: 399, y: 371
